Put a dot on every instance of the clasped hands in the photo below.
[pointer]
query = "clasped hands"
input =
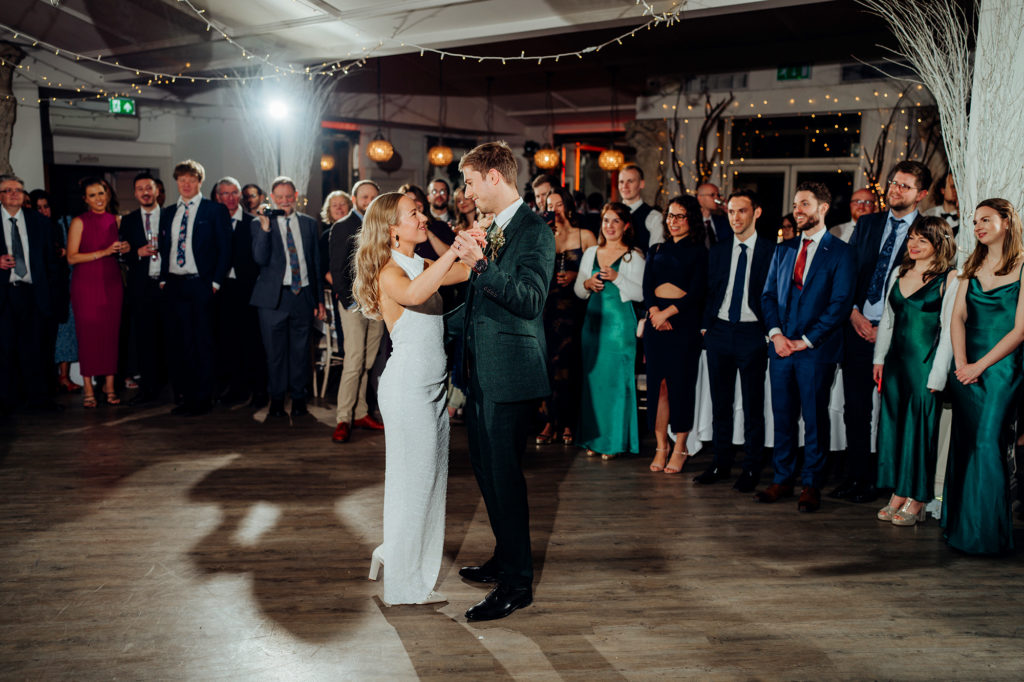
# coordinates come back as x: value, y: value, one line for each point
x: 596, y: 281
x: 469, y: 245
x: 785, y: 347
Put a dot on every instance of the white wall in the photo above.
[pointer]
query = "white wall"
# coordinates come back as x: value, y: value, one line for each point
x: 27, y: 145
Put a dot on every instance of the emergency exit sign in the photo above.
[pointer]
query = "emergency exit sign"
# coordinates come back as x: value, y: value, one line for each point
x: 122, y: 106
x: 794, y: 73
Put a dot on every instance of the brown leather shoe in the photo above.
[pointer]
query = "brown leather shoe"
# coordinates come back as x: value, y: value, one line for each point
x: 773, y: 493
x: 341, y: 433
x: 810, y: 499
x: 367, y: 422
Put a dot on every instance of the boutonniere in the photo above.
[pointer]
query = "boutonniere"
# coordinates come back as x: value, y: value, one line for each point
x: 495, y: 240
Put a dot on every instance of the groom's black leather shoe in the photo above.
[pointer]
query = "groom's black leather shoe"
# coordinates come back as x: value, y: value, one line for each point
x: 501, y: 602
x: 480, y: 574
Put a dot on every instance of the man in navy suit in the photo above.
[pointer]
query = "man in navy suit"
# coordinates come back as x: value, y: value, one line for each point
x: 879, y: 243
x: 195, y: 252
x: 806, y: 301
x: 716, y: 225
x: 240, y: 355
x: 287, y: 295
x: 27, y: 267
x: 735, y: 338
x: 143, y: 296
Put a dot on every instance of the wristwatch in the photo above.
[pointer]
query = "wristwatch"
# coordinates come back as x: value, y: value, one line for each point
x: 480, y: 267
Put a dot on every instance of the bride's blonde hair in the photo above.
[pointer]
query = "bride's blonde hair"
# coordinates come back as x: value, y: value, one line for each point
x: 373, y: 252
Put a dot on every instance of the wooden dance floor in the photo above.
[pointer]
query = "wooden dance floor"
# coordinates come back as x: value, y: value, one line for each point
x: 136, y: 545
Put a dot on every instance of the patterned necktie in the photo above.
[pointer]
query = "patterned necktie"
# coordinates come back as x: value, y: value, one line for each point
x: 182, y: 235
x: 736, y: 304
x: 149, y: 234
x: 293, y: 256
x: 882, y: 266
x: 801, y: 263
x: 18, y: 250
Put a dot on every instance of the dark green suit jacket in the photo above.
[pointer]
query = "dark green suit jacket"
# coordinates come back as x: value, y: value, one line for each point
x: 502, y: 320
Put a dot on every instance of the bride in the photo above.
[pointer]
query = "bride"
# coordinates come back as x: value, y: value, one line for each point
x: 393, y: 283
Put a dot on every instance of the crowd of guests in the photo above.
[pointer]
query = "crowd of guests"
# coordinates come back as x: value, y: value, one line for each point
x: 218, y: 297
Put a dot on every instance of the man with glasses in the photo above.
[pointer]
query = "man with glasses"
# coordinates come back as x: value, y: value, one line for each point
x: 716, y: 225
x: 879, y: 241
x: 862, y: 202
x: 27, y: 267
x: 439, y: 194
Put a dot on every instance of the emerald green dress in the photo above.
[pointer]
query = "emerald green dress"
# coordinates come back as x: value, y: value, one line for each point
x: 608, y: 422
x: 908, y: 425
x: 976, y: 512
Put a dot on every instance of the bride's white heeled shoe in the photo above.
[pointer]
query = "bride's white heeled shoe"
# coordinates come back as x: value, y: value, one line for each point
x: 376, y: 562
x: 434, y: 598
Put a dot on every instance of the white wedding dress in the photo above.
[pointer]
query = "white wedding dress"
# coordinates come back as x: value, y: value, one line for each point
x: 411, y: 395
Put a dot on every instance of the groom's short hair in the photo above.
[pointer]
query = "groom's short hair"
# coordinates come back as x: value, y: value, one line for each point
x: 497, y: 155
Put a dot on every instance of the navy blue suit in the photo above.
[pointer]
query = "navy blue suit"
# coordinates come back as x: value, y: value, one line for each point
x: 802, y: 381
x: 737, y: 347
x: 723, y: 231
x: 190, y: 298
x: 286, y: 318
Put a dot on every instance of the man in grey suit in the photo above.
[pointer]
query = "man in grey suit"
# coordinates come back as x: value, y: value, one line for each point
x: 505, y: 365
x: 287, y: 293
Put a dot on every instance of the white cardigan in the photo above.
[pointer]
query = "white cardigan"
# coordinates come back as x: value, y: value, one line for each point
x: 943, y: 354
x: 630, y: 280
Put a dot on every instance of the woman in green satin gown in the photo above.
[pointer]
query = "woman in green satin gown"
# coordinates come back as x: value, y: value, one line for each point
x: 611, y: 278
x: 987, y: 329
x: 911, y: 367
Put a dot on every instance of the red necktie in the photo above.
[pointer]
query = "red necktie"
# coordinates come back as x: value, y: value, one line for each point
x: 801, y: 262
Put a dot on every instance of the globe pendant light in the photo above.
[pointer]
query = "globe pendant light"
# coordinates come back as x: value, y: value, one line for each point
x: 547, y: 157
x: 440, y: 154
x: 379, y: 149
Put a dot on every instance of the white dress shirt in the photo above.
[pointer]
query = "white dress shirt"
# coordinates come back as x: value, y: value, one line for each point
x: 505, y: 217
x: 653, y: 223
x: 746, y: 314
x: 19, y: 218
x: 282, y: 225
x: 189, y: 268
x: 812, y: 248
x: 154, y: 229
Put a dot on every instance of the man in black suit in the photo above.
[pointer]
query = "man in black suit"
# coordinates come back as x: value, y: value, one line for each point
x: 362, y: 336
x: 195, y: 252
x: 241, y: 358
x: 647, y: 223
x: 716, y: 225
x: 879, y: 242
x: 27, y: 268
x: 145, y: 300
x: 736, y: 340
x: 287, y: 294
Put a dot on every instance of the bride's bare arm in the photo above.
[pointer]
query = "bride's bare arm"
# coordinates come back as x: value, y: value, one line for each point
x: 397, y: 286
x: 458, y: 274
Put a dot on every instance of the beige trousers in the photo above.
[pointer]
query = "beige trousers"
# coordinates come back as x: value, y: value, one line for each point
x: 361, y: 340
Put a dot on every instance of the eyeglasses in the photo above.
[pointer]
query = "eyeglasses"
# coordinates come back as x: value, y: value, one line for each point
x: 866, y: 202
x: 11, y: 190
x: 675, y: 216
x: 901, y: 187
x: 439, y: 191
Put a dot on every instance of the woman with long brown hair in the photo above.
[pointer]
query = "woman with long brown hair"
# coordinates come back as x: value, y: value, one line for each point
x: 910, y: 367
x: 393, y: 283
x: 986, y: 331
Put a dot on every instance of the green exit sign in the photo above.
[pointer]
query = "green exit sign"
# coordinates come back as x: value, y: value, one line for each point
x: 794, y: 73
x: 122, y: 106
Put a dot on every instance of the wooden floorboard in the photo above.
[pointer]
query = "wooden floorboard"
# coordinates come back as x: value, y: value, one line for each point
x: 136, y: 545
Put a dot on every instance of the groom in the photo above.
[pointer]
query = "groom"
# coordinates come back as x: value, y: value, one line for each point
x: 505, y: 366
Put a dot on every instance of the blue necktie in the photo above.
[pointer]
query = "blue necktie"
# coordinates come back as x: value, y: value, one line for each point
x: 18, y: 250
x: 293, y: 256
x: 736, y: 304
x: 182, y: 236
x: 877, y: 284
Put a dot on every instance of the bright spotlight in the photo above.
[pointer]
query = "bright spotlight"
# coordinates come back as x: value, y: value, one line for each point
x: 278, y: 110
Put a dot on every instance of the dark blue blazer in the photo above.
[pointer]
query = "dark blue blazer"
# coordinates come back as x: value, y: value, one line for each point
x: 269, y: 253
x: 133, y: 231
x: 723, y: 231
x: 719, y: 261
x: 866, y: 241
x: 246, y: 269
x: 41, y: 258
x: 824, y: 305
x: 211, y: 240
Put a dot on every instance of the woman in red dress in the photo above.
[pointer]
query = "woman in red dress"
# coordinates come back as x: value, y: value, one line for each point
x: 96, y: 288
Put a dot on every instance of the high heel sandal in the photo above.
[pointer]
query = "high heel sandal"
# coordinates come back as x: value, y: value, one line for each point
x: 89, y: 402
x: 654, y: 463
x: 670, y: 469
x: 112, y: 398
x: 609, y: 456
x: 545, y: 439
x: 567, y: 438
x: 376, y: 562
x: 886, y: 512
x: 591, y: 453
x: 905, y: 517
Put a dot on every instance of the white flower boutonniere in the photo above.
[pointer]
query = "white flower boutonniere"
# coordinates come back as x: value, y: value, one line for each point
x: 495, y: 240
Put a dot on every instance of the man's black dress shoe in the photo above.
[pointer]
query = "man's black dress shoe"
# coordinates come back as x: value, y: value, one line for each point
x: 277, y: 409
x: 842, y: 491
x: 747, y: 482
x: 480, y: 574
x: 810, y: 499
x: 501, y: 602
x: 713, y: 474
x: 299, y: 408
x: 864, y: 492
x: 143, y: 398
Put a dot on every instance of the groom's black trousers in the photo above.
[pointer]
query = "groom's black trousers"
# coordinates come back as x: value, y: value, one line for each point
x: 498, y: 433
